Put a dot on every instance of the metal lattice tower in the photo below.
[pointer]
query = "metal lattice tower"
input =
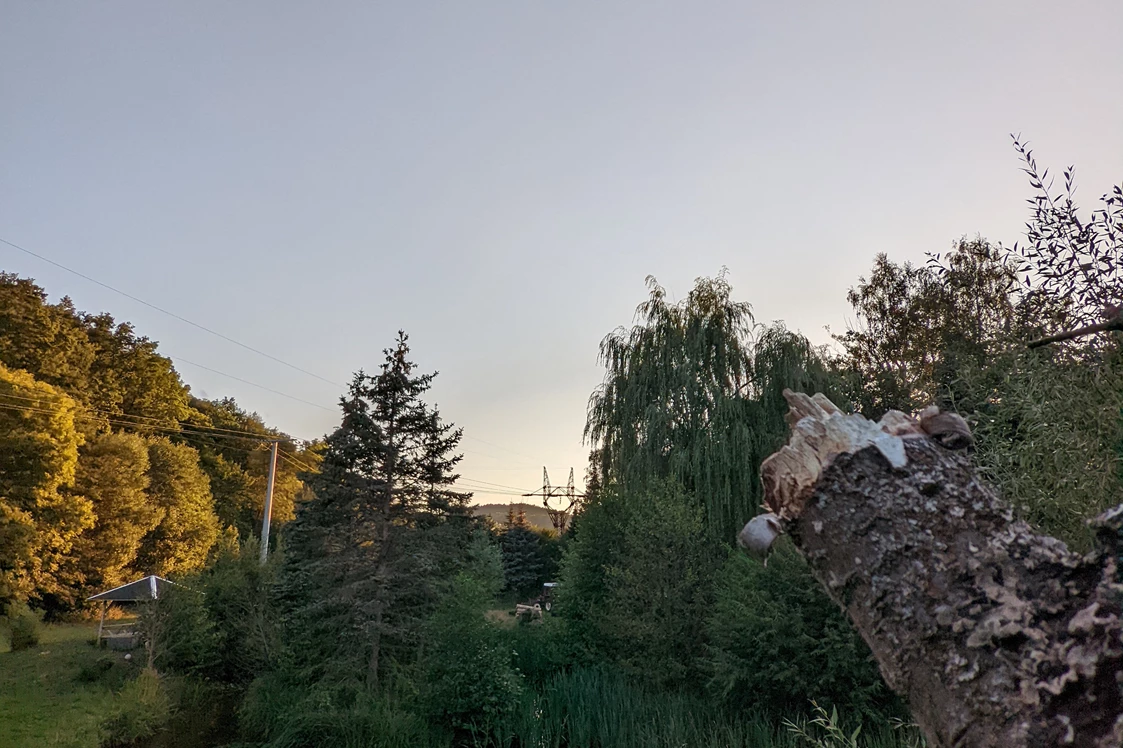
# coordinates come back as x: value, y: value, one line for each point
x: 566, y: 500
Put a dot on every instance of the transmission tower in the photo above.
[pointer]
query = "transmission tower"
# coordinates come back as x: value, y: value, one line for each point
x: 565, y: 500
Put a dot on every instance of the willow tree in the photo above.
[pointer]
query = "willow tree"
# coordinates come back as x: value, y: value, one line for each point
x: 691, y: 392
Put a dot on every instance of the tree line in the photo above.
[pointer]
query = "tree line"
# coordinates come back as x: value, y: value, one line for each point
x: 109, y: 468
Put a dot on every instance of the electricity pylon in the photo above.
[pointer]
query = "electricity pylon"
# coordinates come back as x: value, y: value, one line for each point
x: 567, y: 499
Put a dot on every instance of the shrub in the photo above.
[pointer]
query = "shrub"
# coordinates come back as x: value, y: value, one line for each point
x: 220, y: 624
x: 24, y: 627
x: 108, y: 670
x: 539, y: 651
x: 285, y: 714
x: 777, y: 641
x: 470, y: 686
x: 637, y: 582
x: 143, y: 707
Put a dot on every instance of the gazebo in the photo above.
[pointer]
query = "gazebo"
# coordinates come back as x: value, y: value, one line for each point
x: 148, y: 588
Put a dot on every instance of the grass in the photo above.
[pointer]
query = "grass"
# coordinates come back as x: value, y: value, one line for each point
x: 57, y: 693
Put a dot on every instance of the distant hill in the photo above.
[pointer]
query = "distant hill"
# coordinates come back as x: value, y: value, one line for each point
x: 535, y: 514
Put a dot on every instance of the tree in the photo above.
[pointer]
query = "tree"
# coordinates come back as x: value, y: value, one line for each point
x: 777, y: 642
x: 917, y: 327
x: 1070, y: 266
x: 39, y: 517
x: 128, y: 378
x: 636, y: 582
x: 365, y: 554
x: 113, y: 475
x: 469, y: 683
x: 953, y: 333
x: 188, y: 526
x: 683, y: 399
x: 525, y: 565
x: 238, y: 468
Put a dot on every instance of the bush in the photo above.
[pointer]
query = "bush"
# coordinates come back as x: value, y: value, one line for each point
x: 777, y: 641
x: 24, y: 627
x: 282, y: 714
x: 220, y: 624
x: 540, y: 652
x: 143, y: 707
x: 637, y: 582
x: 470, y: 685
x: 108, y: 670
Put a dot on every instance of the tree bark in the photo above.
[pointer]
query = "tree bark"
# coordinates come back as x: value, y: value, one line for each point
x: 996, y: 635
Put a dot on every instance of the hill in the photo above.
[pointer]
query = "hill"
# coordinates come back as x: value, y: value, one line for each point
x: 535, y: 514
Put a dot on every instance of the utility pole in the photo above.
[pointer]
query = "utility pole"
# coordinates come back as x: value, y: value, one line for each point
x: 268, y: 503
x: 568, y: 494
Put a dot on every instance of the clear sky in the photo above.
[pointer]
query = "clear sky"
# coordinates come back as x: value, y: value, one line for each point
x: 498, y: 178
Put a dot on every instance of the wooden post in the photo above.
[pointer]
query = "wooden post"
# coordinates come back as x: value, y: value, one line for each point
x: 268, y: 504
x: 101, y: 623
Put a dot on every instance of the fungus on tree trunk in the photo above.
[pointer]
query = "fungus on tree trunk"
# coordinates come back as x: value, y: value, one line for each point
x: 996, y: 635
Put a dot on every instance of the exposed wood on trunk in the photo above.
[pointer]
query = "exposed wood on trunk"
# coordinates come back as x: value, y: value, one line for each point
x: 997, y: 636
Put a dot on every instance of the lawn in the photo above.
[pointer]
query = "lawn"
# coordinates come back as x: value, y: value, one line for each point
x: 57, y: 693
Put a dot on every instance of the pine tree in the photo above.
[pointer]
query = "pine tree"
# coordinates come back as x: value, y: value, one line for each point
x: 365, y: 555
x: 524, y: 562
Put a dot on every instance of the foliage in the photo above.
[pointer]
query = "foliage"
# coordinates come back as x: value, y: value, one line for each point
x: 637, y: 581
x: 540, y: 652
x: 143, y: 707
x: 129, y: 378
x: 1048, y: 430
x: 526, y: 560
x: 776, y: 641
x: 88, y: 377
x: 1071, y: 266
x: 916, y: 327
x: 220, y: 624
x: 188, y: 527
x: 590, y: 708
x: 669, y: 397
x: 113, y: 475
x: 102, y: 364
x: 366, y: 555
x: 39, y: 518
x: 23, y: 626
x: 470, y: 684
x: 45, y: 340
x: 825, y: 730
x: 484, y: 562
x: 682, y: 398
x: 238, y: 467
x: 279, y: 713
x: 1046, y: 422
x: 829, y: 733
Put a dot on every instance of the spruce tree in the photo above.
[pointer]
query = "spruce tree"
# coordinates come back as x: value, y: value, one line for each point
x: 366, y: 555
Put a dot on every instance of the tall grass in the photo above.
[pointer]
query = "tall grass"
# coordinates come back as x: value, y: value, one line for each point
x: 593, y: 708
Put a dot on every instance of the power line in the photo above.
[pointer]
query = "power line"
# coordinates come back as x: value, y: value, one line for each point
x: 496, y: 485
x: 170, y: 314
x: 162, y: 423
x: 231, y: 340
x: 134, y: 425
x: 252, y: 384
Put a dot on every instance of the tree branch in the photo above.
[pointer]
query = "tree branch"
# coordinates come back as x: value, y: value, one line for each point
x: 1115, y: 323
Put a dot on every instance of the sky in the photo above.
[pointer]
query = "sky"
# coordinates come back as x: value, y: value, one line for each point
x: 498, y: 179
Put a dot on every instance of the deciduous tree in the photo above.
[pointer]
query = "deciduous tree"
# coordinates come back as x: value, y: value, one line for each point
x: 40, y: 518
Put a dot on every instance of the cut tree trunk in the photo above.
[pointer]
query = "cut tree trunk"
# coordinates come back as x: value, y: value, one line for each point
x: 997, y: 636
